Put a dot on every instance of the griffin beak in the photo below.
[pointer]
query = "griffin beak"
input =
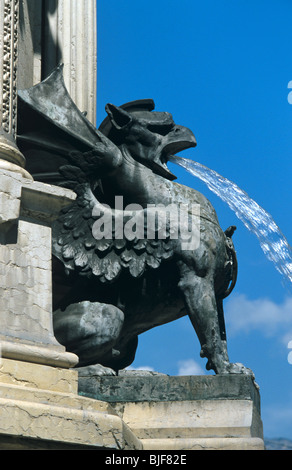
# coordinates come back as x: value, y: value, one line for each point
x: 180, y: 138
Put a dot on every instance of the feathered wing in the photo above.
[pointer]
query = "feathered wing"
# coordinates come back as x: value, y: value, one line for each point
x: 97, y: 241
x: 62, y: 147
x: 50, y: 127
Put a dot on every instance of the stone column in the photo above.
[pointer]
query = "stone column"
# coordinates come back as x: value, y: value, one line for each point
x: 27, y: 209
x: 10, y: 157
x: 29, y: 70
x: 69, y: 37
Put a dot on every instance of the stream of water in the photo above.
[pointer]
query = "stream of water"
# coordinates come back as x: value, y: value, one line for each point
x: 254, y: 217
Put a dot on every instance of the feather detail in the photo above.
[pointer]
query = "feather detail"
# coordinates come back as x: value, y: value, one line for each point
x: 76, y: 246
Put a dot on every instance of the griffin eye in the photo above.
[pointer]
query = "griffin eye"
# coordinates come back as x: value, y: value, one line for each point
x: 161, y: 129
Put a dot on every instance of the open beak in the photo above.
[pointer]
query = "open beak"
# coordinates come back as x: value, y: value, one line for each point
x: 180, y: 138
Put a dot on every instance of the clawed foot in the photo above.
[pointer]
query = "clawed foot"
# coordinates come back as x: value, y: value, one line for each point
x: 237, y: 368
x: 96, y: 369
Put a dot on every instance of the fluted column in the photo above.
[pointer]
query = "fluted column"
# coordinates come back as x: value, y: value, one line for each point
x: 70, y: 38
x: 10, y: 157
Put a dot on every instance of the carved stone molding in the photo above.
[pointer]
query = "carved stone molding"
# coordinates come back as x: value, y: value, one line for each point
x: 10, y: 156
x: 9, y: 24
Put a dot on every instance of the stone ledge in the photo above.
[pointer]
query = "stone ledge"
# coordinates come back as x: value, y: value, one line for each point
x: 227, y: 443
x: 62, y: 424
x: 191, y: 419
x: 137, y: 388
x: 184, y: 413
x: 31, y: 198
x: 37, y: 376
x: 35, y: 418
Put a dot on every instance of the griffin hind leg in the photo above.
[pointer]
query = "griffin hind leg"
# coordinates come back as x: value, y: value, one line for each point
x: 208, y: 322
x: 90, y: 330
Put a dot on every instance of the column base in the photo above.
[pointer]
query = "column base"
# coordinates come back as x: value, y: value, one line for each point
x: 48, y: 354
x: 11, y: 159
x: 8, y: 166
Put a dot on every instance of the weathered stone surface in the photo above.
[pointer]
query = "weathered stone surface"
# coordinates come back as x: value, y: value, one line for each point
x: 214, y: 443
x: 192, y: 419
x: 27, y: 210
x: 32, y: 417
x: 191, y: 412
x: 9, y: 199
x: 37, y: 376
x: 140, y: 388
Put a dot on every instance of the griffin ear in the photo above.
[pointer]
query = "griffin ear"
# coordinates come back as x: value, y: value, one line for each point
x: 120, y: 119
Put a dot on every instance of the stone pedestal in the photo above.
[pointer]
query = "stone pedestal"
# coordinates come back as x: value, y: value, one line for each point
x: 27, y: 209
x: 184, y: 413
x: 41, y: 410
x: 39, y: 403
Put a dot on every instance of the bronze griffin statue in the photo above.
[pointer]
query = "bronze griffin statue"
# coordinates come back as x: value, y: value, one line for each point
x: 108, y: 288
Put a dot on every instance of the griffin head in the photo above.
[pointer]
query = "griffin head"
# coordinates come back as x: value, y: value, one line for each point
x: 150, y: 137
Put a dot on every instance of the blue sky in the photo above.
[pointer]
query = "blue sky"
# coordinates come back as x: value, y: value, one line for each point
x: 222, y: 69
